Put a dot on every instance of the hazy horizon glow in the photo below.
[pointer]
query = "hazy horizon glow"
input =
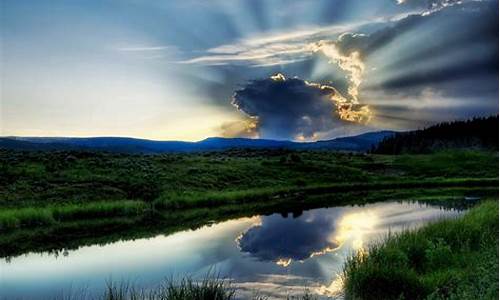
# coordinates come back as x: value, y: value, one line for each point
x: 169, y: 70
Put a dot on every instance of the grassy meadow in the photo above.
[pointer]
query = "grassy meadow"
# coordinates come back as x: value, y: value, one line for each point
x: 75, y: 198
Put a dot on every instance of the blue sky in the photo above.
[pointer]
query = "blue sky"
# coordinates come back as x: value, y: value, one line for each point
x: 189, y: 69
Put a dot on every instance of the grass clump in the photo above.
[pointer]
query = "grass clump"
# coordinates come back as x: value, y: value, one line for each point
x: 185, y: 289
x: 450, y: 259
x: 209, y: 288
x: 98, y: 210
x: 25, y: 217
x: 13, y: 218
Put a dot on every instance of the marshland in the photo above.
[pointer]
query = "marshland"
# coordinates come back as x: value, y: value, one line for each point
x: 300, y: 217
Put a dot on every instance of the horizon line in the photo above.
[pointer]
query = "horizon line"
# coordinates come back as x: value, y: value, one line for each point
x: 186, y: 141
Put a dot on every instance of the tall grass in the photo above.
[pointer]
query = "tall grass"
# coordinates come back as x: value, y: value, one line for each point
x: 12, y: 218
x: 218, y: 198
x: 209, y: 288
x: 31, y: 216
x: 455, y: 259
x: 37, y: 216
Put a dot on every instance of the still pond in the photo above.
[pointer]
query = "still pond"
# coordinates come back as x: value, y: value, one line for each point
x: 274, y: 255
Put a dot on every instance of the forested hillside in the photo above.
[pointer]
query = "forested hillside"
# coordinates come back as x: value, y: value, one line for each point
x: 473, y: 133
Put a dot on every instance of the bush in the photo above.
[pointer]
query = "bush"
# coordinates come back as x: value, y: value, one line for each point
x: 143, y: 189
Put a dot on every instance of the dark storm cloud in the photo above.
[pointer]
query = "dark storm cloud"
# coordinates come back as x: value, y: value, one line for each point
x: 485, y: 66
x: 289, y: 238
x: 452, y: 50
x: 470, y: 28
x: 428, y: 55
x: 477, y: 23
x: 288, y: 108
x: 366, y: 44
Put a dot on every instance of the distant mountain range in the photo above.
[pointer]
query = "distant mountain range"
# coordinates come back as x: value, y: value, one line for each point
x: 360, y: 142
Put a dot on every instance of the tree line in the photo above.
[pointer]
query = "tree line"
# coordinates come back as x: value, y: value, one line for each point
x: 478, y: 132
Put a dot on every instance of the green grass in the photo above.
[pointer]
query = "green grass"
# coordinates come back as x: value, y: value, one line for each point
x: 55, y: 200
x: 38, y: 179
x: 71, y: 234
x: 475, y: 163
x: 450, y: 259
x: 59, y: 196
x: 219, y: 198
x: 36, y: 216
x: 185, y: 289
x: 14, y: 218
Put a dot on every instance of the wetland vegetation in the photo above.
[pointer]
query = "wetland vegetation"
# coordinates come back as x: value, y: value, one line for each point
x: 72, y: 198
x: 60, y: 200
x: 449, y: 259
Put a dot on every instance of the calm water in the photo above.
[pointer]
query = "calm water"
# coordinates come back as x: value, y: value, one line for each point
x: 275, y: 255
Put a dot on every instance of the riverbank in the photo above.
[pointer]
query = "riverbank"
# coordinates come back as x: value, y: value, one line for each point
x: 56, y: 200
x: 192, y: 251
x: 450, y: 259
x: 74, y: 233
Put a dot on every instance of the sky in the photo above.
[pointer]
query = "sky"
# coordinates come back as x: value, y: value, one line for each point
x: 280, y: 69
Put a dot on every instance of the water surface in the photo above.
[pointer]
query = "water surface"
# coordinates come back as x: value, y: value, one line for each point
x: 276, y: 255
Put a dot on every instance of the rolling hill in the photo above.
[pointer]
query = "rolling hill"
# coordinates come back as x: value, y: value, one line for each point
x: 360, y: 142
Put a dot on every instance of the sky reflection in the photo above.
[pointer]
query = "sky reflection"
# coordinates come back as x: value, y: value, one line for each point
x: 309, y: 248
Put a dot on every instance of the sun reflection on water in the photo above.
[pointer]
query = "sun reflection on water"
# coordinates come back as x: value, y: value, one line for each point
x: 284, y: 262
x: 351, y: 231
x: 354, y: 227
x: 334, y: 289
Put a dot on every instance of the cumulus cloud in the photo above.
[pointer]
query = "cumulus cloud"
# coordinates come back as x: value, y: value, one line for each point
x: 292, y: 108
x: 425, y: 52
x: 387, y: 63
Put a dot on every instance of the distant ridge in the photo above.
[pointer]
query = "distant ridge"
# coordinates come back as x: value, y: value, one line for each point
x: 360, y: 142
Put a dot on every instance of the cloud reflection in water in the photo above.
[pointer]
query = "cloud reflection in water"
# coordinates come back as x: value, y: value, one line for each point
x: 284, y: 240
x: 338, y: 230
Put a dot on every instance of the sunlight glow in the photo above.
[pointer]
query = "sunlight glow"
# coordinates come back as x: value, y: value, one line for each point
x: 334, y: 289
x: 355, y: 68
x: 284, y: 262
x: 347, y: 109
x: 323, y: 252
x: 350, y: 63
x: 353, y: 227
x: 351, y: 232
